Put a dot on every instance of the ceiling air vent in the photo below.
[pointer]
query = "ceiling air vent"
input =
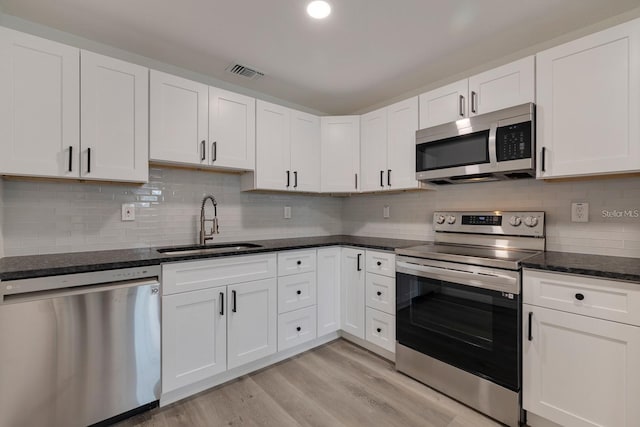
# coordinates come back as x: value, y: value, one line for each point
x: 244, y: 71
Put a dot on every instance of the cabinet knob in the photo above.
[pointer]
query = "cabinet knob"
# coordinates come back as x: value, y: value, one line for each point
x: 379, y: 263
x: 299, y: 292
x: 378, y: 293
x: 579, y: 297
x: 379, y: 330
x: 298, y: 329
x: 299, y: 262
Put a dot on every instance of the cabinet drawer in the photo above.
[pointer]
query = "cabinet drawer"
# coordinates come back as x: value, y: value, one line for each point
x: 195, y: 275
x: 381, y: 263
x: 601, y: 298
x: 296, y: 291
x: 381, y: 329
x: 381, y: 293
x: 296, y: 327
x: 294, y: 262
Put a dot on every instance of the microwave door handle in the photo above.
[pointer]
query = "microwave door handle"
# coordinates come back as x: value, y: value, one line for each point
x: 493, y: 159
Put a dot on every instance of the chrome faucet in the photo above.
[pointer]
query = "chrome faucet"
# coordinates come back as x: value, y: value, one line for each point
x: 204, y: 236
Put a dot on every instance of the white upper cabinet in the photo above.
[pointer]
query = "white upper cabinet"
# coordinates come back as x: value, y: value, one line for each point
x: 194, y: 124
x: 232, y: 130
x: 588, y: 111
x: 340, y: 160
x: 387, y: 147
x: 502, y: 87
x: 114, y: 127
x: 273, y: 154
x: 178, y: 120
x: 373, y: 150
x: 305, y: 151
x: 287, y: 150
x: 445, y: 104
x: 39, y: 106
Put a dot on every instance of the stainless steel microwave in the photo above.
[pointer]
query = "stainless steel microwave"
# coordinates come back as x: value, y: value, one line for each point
x: 489, y: 147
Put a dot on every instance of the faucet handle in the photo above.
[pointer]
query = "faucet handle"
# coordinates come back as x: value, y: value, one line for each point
x: 215, y: 228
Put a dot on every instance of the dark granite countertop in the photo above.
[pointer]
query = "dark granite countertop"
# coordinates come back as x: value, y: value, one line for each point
x: 24, y: 267
x: 609, y: 267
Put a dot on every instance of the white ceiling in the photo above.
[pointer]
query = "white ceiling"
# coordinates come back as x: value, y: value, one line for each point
x: 367, y: 51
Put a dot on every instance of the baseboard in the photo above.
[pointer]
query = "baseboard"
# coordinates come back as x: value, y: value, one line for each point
x: 534, y: 420
x: 368, y: 346
x: 190, y: 390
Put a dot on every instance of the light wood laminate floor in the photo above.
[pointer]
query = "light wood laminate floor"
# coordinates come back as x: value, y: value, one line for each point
x: 337, y: 384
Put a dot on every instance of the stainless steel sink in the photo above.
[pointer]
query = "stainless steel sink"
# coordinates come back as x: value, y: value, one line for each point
x: 208, y: 249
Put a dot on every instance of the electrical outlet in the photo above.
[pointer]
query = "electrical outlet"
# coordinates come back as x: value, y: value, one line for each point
x: 287, y: 212
x: 385, y: 212
x: 580, y: 212
x: 128, y: 212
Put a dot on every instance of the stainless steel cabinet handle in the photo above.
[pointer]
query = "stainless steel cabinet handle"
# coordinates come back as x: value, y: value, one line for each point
x: 214, y: 150
x: 461, y: 106
x: 203, y: 148
x: 71, y: 158
x: 474, y: 101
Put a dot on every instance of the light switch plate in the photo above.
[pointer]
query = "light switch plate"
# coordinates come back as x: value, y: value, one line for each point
x: 128, y: 212
x: 580, y: 212
x: 287, y: 212
x: 386, y: 212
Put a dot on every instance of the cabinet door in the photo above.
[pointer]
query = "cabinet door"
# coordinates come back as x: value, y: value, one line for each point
x: 296, y: 291
x: 381, y: 293
x: 328, y: 290
x: 352, y: 295
x: 443, y: 105
x: 273, y: 147
x: 340, y: 154
x: 402, y: 124
x: 296, y: 327
x: 305, y: 151
x: 179, y: 123
x: 39, y: 106
x: 114, y: 128
x: 252, y: 322
x: 381, y: 329
x: 194, y: 337
x: 373, y: 150
x: 580, y: 371
x: 232, y: 130
x: 507, y: 86
x: 588, y: 111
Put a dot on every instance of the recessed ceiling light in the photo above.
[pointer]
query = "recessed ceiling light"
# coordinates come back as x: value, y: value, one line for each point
x: 319, y: 9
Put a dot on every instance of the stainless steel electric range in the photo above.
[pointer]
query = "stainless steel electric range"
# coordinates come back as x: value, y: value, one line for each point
x: 458, y: 308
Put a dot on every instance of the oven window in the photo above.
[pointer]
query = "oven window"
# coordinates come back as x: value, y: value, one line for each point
x: 458, y: 151
x: 474, y: 329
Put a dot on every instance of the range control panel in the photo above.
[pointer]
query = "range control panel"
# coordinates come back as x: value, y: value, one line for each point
x: 492, y: 222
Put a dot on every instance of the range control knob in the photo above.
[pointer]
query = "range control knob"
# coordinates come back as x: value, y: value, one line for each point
x: 440, y: 219
x: 515, y: 221
x: 451, y: 219
x: 531, y: 221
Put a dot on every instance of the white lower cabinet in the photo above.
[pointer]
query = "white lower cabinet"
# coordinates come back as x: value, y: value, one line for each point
x: 381, y: 329
x: 296, y: 327
x: 381, y: 293
x: 328, y: 284
x: 194, y: 337
x: 352, y: 293
x: 579, y: 370
x: 252, y: 321
x: 296, y: 291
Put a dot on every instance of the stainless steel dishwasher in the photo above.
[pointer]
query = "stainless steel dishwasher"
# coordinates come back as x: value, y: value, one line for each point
x: 79, y: 349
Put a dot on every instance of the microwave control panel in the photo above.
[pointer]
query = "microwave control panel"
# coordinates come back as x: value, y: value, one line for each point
x: 514, y: 142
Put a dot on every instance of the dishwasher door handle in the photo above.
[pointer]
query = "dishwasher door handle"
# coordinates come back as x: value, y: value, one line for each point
x: 78, y: 290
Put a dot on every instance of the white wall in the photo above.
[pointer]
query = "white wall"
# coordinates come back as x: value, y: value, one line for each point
x: 1, y: 222
x: 48, y: 217
x: 411, y: 213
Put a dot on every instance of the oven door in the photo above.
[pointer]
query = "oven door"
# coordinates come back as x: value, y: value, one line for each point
x: 450, y: 315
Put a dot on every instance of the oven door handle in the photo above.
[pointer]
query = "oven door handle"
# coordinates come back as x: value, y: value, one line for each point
x: 493, y: 158
x: 494, y: 282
